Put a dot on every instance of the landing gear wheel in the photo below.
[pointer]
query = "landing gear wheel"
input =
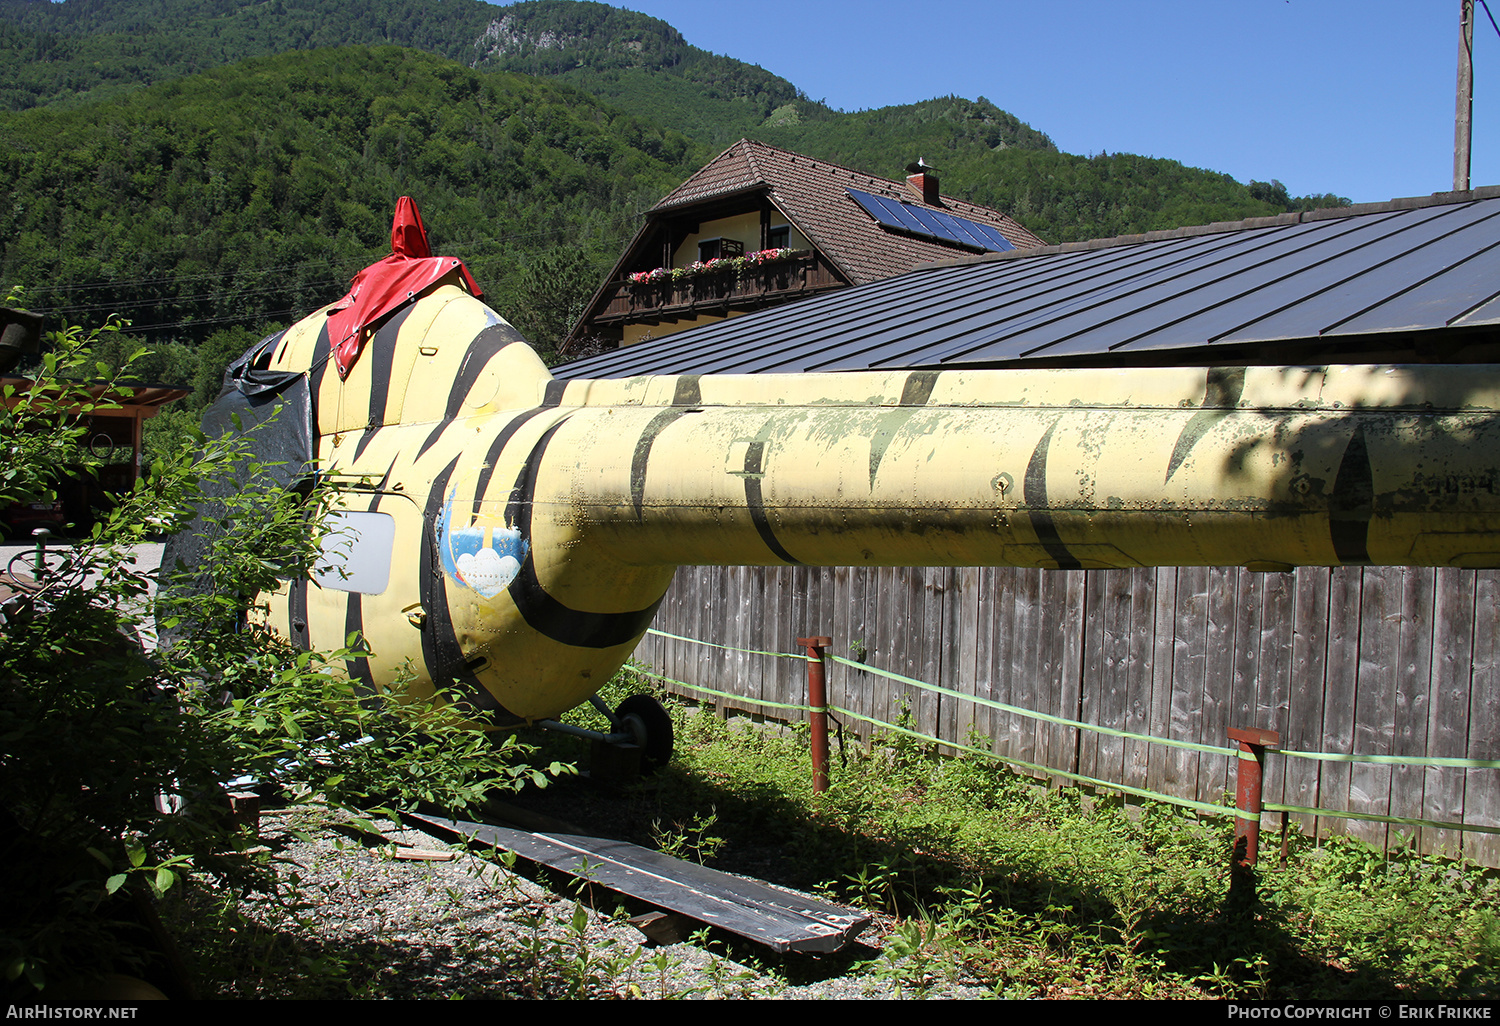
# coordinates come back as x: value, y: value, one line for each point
x: 644, y: 717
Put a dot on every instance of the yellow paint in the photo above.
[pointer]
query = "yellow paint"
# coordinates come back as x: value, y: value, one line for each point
x: 612, y: 484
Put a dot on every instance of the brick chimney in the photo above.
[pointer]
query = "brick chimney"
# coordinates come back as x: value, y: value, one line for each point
x: 925, y: 183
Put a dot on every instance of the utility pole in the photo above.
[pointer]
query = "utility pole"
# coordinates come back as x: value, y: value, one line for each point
x: 1464, y: 113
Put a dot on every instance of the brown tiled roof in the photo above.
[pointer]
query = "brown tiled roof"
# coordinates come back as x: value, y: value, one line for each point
x: 813, y: 194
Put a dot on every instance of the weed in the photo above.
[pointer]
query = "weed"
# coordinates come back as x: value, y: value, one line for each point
x: 690, y: 840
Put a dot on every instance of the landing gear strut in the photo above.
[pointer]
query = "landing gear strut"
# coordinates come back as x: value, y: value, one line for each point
x: 640, y: 720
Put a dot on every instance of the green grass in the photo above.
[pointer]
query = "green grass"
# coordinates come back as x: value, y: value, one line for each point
x: 977, y: 877
x: 988, y: 878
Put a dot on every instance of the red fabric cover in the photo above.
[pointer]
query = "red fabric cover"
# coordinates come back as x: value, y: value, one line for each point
x: 388, y: 285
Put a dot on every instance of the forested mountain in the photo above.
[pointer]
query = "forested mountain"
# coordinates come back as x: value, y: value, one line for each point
x: 253, y: 192
x: 84, y: 49
x: 68, y: 53
x: 194, y: 164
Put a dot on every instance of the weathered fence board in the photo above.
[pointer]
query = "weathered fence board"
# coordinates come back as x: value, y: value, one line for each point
x: 1374, y: 661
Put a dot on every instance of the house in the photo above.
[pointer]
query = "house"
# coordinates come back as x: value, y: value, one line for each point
x: 1386, y: 675
x: 759, y: 226
x: 1406, y: 281
x: 113, y: 422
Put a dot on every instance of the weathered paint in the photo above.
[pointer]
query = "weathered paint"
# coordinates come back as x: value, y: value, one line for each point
x: 539, y: 522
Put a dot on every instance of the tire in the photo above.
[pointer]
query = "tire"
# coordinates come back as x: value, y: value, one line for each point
x: 22, y: 564
x: 644, y: 717
x: 102, y: 447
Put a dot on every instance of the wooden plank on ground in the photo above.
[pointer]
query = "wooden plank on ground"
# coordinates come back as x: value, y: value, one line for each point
x: 781, y: 919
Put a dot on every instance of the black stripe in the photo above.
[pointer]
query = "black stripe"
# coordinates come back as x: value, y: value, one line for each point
x: 642, y: 453
x: 918, y: 387
x: 440, y: 649
x: 322, y: 356
x: 915, y: 392
x: 354, y: 625
x: 482, y: 349
x: 756, y: 502
x: 1352, y: 503
x: 381, y: 352
x: 554, y: 393
x: 296, y: 615
x: 1034, y: 494
x: 277, y: 342
x: 1221, y: 394
x: 687, y: 392
x: 497, y: 447
x: 544, y: 613
x: 365, y: 438
x: 359, y: 667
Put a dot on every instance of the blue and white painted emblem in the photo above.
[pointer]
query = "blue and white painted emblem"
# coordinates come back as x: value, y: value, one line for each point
x: 479, y: 552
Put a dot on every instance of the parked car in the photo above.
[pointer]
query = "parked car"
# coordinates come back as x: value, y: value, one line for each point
x: 21, y: 518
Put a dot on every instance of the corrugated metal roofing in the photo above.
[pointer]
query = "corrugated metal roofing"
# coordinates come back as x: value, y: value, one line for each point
x: 1403, y: 267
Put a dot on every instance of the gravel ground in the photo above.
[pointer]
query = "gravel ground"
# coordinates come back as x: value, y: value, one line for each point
x: 384, y: 917
x: 407, y: 926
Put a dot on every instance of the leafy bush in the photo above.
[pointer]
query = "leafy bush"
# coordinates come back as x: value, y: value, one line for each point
x: 115, y: 757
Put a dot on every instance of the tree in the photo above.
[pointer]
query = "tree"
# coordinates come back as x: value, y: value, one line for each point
x: 97, y: 728
x: 551, y: 295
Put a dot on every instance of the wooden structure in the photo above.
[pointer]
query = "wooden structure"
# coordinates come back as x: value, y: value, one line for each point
x: 1370, y: 661
x: 753, y: 198
x: 114, y: 422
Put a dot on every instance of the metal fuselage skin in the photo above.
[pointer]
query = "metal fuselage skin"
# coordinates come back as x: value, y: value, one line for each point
x: 532, y: 526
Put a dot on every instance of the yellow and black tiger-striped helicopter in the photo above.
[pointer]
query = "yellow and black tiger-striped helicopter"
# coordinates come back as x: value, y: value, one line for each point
x: 510, y: 536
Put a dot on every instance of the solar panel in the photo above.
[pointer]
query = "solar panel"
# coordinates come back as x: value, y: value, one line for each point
x: 932, y: 224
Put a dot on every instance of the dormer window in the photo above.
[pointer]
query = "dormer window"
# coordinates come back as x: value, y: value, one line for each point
x: 712, y: 249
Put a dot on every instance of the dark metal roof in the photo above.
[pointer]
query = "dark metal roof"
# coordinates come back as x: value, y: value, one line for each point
x: 1364, y: 281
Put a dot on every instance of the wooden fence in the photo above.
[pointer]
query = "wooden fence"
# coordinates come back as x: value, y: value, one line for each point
x: 1375, y: 661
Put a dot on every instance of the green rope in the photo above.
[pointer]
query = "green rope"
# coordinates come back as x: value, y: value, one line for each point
x: 1373, y: 817
x: 1213, y: 810
x: 1031, y: 714
x: 1203, y: 807
x: 728, y: 648
x: 1397, y: 760
x: 723, y: 694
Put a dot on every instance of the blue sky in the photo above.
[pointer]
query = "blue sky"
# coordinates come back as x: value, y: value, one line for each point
x: 1333, y: 96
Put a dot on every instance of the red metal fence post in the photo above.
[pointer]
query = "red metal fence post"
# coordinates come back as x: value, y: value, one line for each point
x: 817, y: 699
x: 1253, y: 743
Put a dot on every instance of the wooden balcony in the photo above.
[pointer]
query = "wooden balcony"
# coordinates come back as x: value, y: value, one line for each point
x: 716, y: 292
